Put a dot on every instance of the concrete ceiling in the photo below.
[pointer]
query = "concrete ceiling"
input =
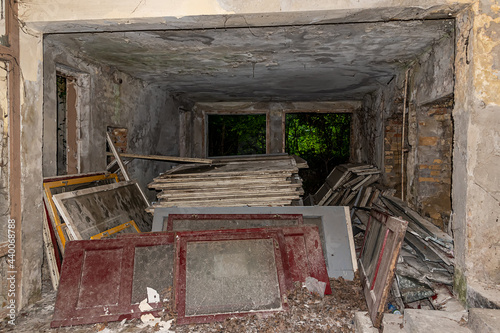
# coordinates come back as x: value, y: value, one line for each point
x: 306, y: 63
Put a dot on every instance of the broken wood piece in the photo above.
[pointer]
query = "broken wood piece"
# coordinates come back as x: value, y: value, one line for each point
x: 50, y: 253
x: 177, y: 159
x: 130, y: 224
x: 117, y: 157
x: 383, y: 239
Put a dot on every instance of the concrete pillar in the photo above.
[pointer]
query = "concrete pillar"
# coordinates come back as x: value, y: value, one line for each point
x: 476, y: 156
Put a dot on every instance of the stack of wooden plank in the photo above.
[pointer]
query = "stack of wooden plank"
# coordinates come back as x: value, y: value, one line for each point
x: 248, y: 181
x: 346, y: 185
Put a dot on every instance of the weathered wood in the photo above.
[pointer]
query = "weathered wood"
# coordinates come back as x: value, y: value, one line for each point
x: 383, y: 239
x: 49, y: 253
x: 117, y: 157
x: 231, y: 181
x: 227, y: 192
x: 165, y: 158
x: 93, y: 210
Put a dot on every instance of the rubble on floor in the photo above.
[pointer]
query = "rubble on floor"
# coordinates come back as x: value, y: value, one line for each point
x: 307, y: 313
x: 252, y: 181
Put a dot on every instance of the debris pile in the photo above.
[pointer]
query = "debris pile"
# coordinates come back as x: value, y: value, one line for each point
x: 424, y: 271
x: 257, y: 181
x: 347, y: 185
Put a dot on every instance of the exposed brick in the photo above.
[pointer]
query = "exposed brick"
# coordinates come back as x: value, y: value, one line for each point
x: 428, y: 179
x: 435, y: 173
x: 423, y: 166
x: 437, y: 161
x: 427, y: 140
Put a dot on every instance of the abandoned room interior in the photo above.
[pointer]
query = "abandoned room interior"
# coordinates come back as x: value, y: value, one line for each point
x: 289, y: 151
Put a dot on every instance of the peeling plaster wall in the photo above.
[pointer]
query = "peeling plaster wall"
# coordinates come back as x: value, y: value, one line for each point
x: 476, y: 180
x: 227, y: 12
x: 116, y: 100
x: 430, y: 132
x: 31, y: 173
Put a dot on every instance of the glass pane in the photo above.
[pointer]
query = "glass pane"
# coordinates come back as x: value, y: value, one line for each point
x: 231, y: 276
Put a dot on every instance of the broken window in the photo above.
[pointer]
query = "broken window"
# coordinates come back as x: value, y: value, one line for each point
x: 322, y: 139
x: 236, y: 134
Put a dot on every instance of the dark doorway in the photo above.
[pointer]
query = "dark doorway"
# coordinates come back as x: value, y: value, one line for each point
x: 322, y: 139
x: 67, y: 152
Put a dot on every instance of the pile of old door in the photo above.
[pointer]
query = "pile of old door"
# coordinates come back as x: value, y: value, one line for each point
x: 210, y: 263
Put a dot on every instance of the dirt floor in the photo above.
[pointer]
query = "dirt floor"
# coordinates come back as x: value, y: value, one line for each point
x: 306, y: 313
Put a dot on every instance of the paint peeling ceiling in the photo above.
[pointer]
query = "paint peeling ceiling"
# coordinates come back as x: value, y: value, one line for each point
x: 307, y: 63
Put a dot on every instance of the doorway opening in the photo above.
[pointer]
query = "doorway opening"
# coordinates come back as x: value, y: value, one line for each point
x: 322, y: 139
x: 67, y: 146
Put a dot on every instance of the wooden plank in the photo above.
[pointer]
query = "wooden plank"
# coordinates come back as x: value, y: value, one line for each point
x: 225, y: 178
x: 130, y: 224
x: 93, y: 210
x: 231, y: 169
x: 195, y: 222
x: 50, y: 253
x: 178, y: 196
x: 220, y: 182
x: 383, y: 239
x: 117, y: 157
x: 177, y: 159
x: 225, y: 203
x: 231, y: 187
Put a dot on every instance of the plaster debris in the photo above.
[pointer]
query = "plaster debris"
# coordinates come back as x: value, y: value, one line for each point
x: 144, y: 306
x: 315, y: 286
x: 153, y: 296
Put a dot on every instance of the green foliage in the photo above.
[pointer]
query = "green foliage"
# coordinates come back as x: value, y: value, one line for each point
x: 322, y: 139
x: 236, y: 134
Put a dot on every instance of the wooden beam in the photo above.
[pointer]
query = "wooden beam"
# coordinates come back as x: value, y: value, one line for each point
x: 166, y: 158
